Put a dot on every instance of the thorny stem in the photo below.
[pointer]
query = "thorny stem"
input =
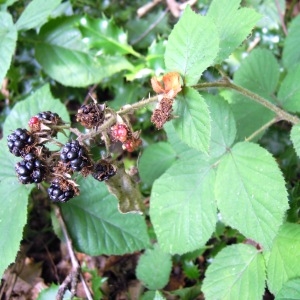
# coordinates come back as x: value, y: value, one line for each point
x: 75, y: 264
x: 281, y: 114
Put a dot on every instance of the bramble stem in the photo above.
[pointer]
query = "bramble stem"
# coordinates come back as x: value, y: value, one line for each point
x: 281, y: 114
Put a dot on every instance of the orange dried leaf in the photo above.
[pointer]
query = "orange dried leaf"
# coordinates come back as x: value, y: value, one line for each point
x: 172, y: 83
x: 157, y: 86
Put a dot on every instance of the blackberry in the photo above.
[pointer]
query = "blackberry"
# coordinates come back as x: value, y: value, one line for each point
x: 49, y: 116
x: 19, y: 142
x: 91, y: 115
x: 103, y: 170
x: 30, y: 170
x: 75, y: 155
x: 120, y: 132
x: 62, y: 190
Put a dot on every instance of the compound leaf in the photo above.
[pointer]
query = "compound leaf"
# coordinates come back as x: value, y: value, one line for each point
x: 183, y: 208
x: 283, y: 261
x: 192, y: 46
x: 13, y: 217
x: 290, y: 290
x: 193, y: 122
x: 290, y: 54
x: 36, y: 14
x: 8, y: 38
x: 155, y: 160
x: 237, y: 272
x: 233, y: 24
x: 244, y: 178
x: 295, y: 137
x: 289, y: 92
x: 97, y: 227
x: 66, y: 58
x: 154, y: 268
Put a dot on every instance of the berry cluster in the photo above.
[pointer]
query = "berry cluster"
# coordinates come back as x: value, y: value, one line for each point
x: 40, y: 164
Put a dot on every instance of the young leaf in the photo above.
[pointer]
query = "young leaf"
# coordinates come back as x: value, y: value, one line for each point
x: 65, y: 57
x: 192, y: 46
x: 237, y: 272
x: 36, y: 14
x: 8, y: 38
x: 154, y: 268
x: 283, y: 261
x: 40, y: 100
x: 50, y: 293
x: 183, y: 209
x: 289, y: 92
x: 245, y: 199
x: 104, y: 36
x: 97, y: 227
x: 155, y: 160
x: 290, y: 290
x: 295, y: 137
x: 258, y: 73
x: 223, y: 129
x: 291, y: 54
x: 193, y: 122
x: 13, y: 217
x: 233, y: 24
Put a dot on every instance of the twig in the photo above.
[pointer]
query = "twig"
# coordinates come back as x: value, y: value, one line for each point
x: 76, y: 270
x: 91, y: 90
x: 147, y: 7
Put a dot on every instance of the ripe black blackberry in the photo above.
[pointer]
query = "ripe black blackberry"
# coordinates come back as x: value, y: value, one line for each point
x: 49, y: 116
x: 30, y: 170
x: 62, y: 190
x: 103, y: 170
x: 74, y: 155
x: 91, y: 115
x: 19, y: 142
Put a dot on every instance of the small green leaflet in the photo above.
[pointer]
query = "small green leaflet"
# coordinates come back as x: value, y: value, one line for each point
x: 283, y: 261
x: 8, y: 39
x: 184, y: 222
x: 97, y: 227
x: 289, y: 92
x: 193, y: 122
x: 154, y: 268
x: 192, y: 46
x: 233, y: 24
x: 291, y: 53
x: 295, y: 137
x: 237, y: 272
x: 251, y: 193
x: 36, y: 14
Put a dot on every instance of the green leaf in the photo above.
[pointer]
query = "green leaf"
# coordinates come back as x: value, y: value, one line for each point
x: 8, y: 38
x: 289, y: 92
x: 258, y: 73
x: 237, y: 272
x: 223, y: 129
x: 40, y: 100
x: 290, y: 290
x: 233, y: 24
x: 104, y: 36
x: 155, y: 160
x: 51, y: 292
x: 295, y: 137
x: 245, y: 199
x: 154, y: 268
x: 13, y: 217
x: 183, y: 209
x: 290, y: 54
x: 283, y: 261
x: 65, y: 57
x: 158, y: 296
x: 36, y: 14
x: 193, y: 122
x: 97, y: 227
x: 192, y: 46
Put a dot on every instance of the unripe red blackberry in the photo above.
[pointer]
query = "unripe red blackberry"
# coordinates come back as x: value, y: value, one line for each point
x: 103, y: 170
x: 132, y: 144
x: 30, y: 170
x: 19, y: 142
x: 62, y: 190
x: 120, y: 132
x: 75, y: 155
